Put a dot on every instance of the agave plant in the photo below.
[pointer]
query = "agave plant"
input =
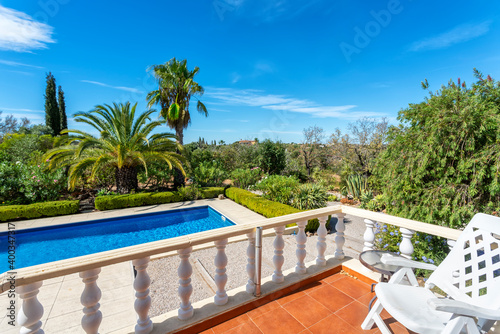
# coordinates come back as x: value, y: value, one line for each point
x: 125, y: 143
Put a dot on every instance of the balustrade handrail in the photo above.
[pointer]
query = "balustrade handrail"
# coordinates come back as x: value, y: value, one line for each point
x: 46, y: 271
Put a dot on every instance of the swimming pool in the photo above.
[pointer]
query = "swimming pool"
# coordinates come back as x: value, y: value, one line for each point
x: 53, y: 243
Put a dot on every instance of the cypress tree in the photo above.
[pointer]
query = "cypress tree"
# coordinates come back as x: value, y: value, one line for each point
x: 62, y: 109
x: 52, y: 117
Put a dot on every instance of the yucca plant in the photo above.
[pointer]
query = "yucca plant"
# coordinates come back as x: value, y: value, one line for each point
x: 356, y: 185
x: 125, y: 143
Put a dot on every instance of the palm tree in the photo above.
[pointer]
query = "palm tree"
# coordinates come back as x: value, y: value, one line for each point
x: 124, y: 143
x: 176, y: 87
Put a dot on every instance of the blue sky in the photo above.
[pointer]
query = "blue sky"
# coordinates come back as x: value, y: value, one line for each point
x: 269, y: 68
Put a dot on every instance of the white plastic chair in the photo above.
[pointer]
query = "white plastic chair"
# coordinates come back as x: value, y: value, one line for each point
x: 469, y: 275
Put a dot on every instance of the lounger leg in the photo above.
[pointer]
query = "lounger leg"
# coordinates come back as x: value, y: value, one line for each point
x: 374, y: 317
x: 455, y: 326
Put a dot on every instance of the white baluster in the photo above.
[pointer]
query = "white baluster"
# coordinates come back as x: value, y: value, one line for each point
x: 143, y: 300
x: 451, y: 243
x: 251, y: 262
x: 90, y: 300
x: 301, y: 253
x: 185, y: 288
x: 406, y: 247
x: 220, y: 278
x: 321, y: 244
x: 369, y: 236
x: 31, y: 310
x: 278, y: 258
x: 339, y: 238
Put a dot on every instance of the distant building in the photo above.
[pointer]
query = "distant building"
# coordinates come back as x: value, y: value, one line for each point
x: 247, y: 142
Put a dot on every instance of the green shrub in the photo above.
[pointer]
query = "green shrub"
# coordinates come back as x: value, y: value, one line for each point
x: 332, y: 198
x: 189, y: 193
x: 278, y: 188
x: 265, y: 207
x: 427, y: 248
x: 37, y: 210
x: 356, y: 185
x: 309, y: 196
x: 375, y: 204
x: 131, y: 200
x: 211, y: 192
x: 209, y: 174
x: 245, y: 178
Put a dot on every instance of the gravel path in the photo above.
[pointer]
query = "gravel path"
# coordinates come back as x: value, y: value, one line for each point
x: 164, y: 279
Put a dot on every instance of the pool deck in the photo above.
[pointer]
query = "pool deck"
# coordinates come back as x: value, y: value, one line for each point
x: 59, y: 296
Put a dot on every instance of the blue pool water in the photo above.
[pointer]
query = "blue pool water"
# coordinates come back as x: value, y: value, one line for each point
x: 47, y: 244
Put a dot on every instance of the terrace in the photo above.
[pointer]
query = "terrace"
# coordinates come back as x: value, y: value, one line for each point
x: 326, y: 291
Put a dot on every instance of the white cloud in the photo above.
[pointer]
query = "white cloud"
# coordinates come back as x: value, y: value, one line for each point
x: 16, y: 64
x: 127, y: 89
x: 257, y: 98
x: 19, y: 32
x: 459, y: 34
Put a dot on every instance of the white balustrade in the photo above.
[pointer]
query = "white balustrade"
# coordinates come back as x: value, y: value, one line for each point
x: 321, y: 244
x: 90, y: 300
x: 251, y: 263
x: 220, y: 262
x: 339, y: 237
x: 278, y: 259
x: 143, y: 300
x: 406, y: 247
x: 301, y: 253
x: 31, y: 310
x: 369, y: 236
x: 185, y: 271
x: 451, y: 243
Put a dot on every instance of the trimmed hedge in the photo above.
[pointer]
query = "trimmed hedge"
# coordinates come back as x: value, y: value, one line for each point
x: 37, y: 210
x: 265, y: 207
x: 111, y: 202
x: 212, y: 192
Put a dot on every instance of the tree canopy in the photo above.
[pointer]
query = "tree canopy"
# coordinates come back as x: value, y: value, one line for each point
x: 442, y: 163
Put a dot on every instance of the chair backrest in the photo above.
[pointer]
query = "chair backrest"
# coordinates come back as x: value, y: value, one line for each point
x: 471, y: 271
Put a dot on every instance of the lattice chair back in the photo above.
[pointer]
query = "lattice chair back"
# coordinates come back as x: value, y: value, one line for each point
x: 471, y: 271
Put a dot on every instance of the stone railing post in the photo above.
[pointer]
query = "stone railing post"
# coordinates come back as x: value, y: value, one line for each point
x: 251, y: 263
x: 339, y: 238
x: 90, y: 300
x: 406, y: 247
x: 31, y: 309
x: 185, y: 271
x: 220, y: 279
x: 278, y: 258
x: 143, y: 300
x: 321, y: 244
x: 301, y: 253
x: 369, y: 236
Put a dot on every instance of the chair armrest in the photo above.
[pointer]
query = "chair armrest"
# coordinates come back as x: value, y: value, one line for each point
x: 403, y: 262
x: 461, y: 308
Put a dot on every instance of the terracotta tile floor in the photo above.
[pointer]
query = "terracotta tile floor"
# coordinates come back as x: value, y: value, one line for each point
x: 336, y: 304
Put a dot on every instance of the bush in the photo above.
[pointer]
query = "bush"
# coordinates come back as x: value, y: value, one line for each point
x: 427, y: 248
x: 265, y: 207
x: 209, y: 174
x: 189, y: 193
x: 26, y: 184
x: 211, y: 192
x: 278, y: 188
x: 37, y: 210
x: 375, y: 204
x: 131, y: 200
x: 332, y: 198
x: 245, y: 178
x: 272, y: 157
x: 309, y: 196
x: 346, y: 201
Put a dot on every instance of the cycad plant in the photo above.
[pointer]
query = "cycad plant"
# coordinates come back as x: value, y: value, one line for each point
x: 125, y: 142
